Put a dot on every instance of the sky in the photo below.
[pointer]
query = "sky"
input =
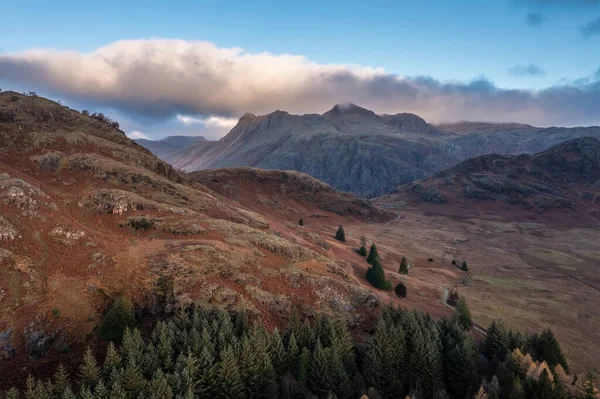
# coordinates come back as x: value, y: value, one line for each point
x: 194, y: 67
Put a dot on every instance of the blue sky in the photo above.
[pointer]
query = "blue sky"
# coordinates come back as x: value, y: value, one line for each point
x: 512, y: 44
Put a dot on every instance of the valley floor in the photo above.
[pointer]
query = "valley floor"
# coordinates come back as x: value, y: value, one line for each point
x: 530, y: 275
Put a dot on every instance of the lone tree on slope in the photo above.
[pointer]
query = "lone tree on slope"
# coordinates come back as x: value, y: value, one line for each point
x: 362, y: 250
x: 403, y: 266
x: 373, y: 255
x: 340, y: 235
x: 400, y: 290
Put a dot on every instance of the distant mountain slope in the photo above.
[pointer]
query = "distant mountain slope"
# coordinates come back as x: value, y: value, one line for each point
x: 355, y: 150
x: 564, y: 180
x: 273, y: 191
x: 167, y: 146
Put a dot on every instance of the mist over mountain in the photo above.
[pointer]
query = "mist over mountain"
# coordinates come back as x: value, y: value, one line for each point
x: 167, y: 146
x: 355, y: 150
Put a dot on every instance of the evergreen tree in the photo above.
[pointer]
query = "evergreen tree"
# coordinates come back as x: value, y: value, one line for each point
x: 112, y: 360
x: 320, y: 379
x: 159, y: 387
x: 373, y: 255
x: 403, y: 266
x: 61, y: 380
x: 277, y: 353
x: 304, y: 365
x: 362, y: 250
x: 101, y: 391
x: 400, y: 290
x: 89, y: 372
x: 301, y: 222
x: 292, y: 354
x: 463, y: 313
x: 496, y: 341
x: 133, y: 381
x: 118, y: 318
x: 464, y: 266
x: 376, y: 277
x: 229, y: 381
x: 340, y: 235
x: 548, y: 348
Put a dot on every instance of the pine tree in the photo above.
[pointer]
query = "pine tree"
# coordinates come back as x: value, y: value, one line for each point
x: 385, y: 359
x: 463, y: 313
x: 13, y: 393
x: 301, y: 222
x: 207, y: 374
x: 159, y: 387
x: 133, y: 380
x: 229, y: 380
x: 373, y: 255
x: 292, y: 354
x: 495, y: 342
x: 61, y: 380
x: 549, y: 350
x: 112, y: 360
x: 340, y: 235
x: 376, y: 277
x: 464, y: 266
x: 277, y: 353
x: 320, y: 374
x: 403, y: 266
x: 89, y: 372
x: 304, y: 365
x: 118, y: 318
x: 362, y: 250
x: 400, y: 290
x: 101, y: 391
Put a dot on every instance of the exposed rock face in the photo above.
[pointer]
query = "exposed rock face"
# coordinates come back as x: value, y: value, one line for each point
x: 560, y: 178
x: 7, y: 350
x: 355, y: 150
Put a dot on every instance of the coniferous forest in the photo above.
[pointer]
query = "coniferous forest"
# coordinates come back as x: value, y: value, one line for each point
x: 214, y: 354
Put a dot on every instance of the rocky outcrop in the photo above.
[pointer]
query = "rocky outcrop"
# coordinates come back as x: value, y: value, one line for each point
x: 7, y: 350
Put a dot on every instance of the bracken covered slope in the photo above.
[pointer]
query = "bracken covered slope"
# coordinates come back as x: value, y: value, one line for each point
x: 87, y: 214
x: 355, y: 150
x: 562, y: 183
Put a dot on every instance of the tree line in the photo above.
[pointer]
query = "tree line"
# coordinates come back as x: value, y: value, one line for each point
x: 208, y: 353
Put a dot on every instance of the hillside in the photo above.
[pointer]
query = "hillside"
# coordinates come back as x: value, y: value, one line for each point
x: 86, y: 214
x: 165, y: 147
x: 355, y: 150
x: 561, y: 183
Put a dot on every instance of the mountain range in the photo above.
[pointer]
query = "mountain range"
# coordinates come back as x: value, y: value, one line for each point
x: 355, y: 150
x: 166, y: 147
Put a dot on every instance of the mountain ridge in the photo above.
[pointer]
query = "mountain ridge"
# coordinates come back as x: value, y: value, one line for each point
x: 358, y: 151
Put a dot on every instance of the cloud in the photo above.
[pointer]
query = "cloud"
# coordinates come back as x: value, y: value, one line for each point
x: 534, y: 18
x: 211, y: 121
x: 159, y: 79
x: 526, y: 70
x: 136, y: 135
x: 591, y: 29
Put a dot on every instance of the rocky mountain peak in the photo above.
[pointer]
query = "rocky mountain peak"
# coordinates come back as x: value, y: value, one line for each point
x: 350, y: 109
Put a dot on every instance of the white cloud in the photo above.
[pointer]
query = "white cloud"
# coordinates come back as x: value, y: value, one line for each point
x: 136, y: 134
x: 212, y: 121
x: 197, y: 80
